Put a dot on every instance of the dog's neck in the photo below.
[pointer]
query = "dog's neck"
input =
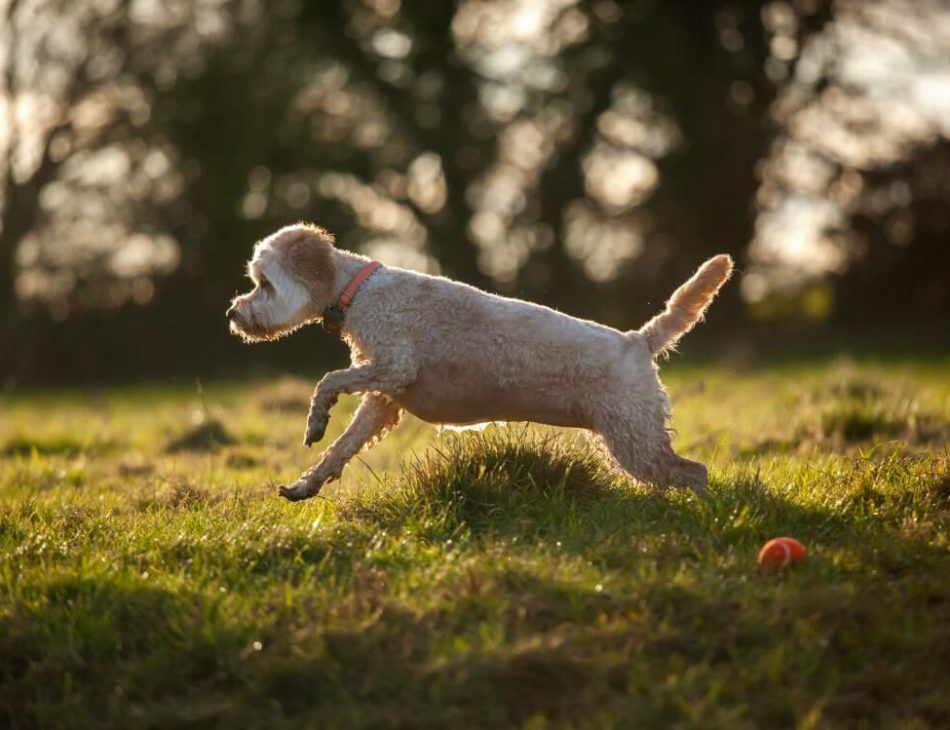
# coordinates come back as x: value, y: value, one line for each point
x: 350, y: 272
x: 347, y: 266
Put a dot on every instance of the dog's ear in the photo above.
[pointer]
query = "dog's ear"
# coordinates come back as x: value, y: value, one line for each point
x: 309, y: 259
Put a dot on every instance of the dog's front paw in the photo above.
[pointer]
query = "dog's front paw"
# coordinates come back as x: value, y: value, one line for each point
x: 301, y: 489
x: 316, y: 428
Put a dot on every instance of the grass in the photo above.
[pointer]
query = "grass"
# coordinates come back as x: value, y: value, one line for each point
x: 149, y: 577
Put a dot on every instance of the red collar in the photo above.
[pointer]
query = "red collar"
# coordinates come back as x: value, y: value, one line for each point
x: 334, y: 315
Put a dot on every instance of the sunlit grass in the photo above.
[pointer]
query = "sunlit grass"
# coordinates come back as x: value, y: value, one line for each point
x: 149, y: 576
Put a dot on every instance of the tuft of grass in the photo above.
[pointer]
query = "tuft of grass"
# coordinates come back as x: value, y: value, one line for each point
x: 208, y: 435
x: 473, y: 480
x: 855, y: 409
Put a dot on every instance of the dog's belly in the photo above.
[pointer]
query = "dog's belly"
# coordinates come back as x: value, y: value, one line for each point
x: 462, y: 403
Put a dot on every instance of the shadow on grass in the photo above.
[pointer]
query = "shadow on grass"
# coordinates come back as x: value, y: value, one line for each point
x: 500, y: 647
x: 89, y: 648
x: 94, y: 650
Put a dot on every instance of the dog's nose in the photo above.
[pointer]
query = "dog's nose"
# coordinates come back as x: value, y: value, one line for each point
x: 232, y: 312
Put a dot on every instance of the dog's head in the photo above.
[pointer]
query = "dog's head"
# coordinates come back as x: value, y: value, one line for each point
x: 294, y: 277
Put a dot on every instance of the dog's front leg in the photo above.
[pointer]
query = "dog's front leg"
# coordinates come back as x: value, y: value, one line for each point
x: 389, y: 373
x: 372, y: 419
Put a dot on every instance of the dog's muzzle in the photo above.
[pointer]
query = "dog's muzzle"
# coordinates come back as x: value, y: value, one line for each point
x: 234, y: 316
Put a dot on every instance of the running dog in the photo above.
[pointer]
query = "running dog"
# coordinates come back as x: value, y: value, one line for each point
x: 453, y: 354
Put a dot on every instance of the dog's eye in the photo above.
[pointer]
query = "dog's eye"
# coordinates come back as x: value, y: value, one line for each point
x: 264, y: 284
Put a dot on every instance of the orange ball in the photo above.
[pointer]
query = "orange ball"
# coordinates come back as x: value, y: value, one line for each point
x: 781, y: 552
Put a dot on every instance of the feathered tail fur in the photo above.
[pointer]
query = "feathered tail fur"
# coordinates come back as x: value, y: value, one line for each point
x: 687, y: 305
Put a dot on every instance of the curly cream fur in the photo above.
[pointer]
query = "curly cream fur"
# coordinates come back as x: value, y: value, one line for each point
x: 687, y: 305
x: 450, y: 353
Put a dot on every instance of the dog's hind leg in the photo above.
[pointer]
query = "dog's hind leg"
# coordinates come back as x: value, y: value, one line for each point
x: 375, y: 415
x: 639, y: 443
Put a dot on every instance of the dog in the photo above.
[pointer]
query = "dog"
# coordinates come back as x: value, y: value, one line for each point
x: 452, y: 354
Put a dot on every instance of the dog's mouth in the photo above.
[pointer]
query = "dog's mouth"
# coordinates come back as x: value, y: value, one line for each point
x: 250, y: 330
x: 246, y: 327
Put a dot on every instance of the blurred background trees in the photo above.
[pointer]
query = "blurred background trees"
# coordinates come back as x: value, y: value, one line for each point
x: 586, y: 155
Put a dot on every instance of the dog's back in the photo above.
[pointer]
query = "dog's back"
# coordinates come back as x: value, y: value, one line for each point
x: 483, y: 357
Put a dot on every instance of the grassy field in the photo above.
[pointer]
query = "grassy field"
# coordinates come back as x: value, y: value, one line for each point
x: 149, y: 576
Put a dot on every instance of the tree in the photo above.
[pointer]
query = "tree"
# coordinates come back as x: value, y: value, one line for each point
x: 79, y: 82
x: 852, y: 190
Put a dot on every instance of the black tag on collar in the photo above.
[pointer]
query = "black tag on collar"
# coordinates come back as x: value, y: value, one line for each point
x: 333, y: 319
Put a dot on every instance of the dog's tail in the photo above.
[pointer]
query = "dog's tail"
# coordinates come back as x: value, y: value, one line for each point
x: 687, y: 305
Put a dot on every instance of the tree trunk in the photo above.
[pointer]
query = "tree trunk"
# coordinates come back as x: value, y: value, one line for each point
x: 9, y: 325
x: 7, y: 299
x: 18, y: 214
